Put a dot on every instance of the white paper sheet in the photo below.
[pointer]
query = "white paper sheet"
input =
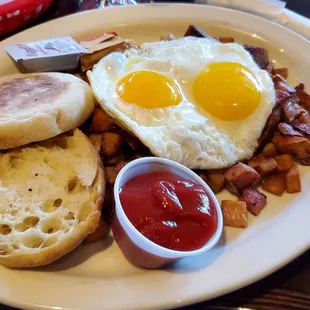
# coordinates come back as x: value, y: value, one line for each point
x: 273, y: 10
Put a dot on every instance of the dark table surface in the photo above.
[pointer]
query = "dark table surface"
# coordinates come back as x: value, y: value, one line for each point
x: 288, y: 288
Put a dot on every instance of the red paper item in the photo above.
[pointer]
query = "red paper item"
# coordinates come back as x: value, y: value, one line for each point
x: 15, y: 14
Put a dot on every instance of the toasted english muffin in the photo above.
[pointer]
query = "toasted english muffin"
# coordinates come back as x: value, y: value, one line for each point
x: 39, y: 106
x: 51, y: 198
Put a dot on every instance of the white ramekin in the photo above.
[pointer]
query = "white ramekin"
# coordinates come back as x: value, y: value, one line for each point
x: 138, y: 249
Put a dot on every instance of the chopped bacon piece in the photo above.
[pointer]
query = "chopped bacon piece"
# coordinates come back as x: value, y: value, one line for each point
x: 234, y: 213
x: 304, y: 161
x: 285, y: 162
x: 194, y: 31
x: 271, y: 125
x: 291, y: 109
x: 255, y: 161
x: 293, y: 184
x: 259, y: 54
x: 280, y: 83
x: 270, y: 68
x: 282, y: 95
x: 299, y: 146
x: 267, y: 166
x: 303, y: 96
x: 241, y: 176
x: 132, y: 141
x: 288, y: 130
x: 254, y: 199
x: 269, y: 150
x: 305, y: 128
x: 274, y: 184
x: 226, y: 39
x: 283, y: 72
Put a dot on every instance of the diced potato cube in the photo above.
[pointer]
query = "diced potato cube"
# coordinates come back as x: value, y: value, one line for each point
x: 267, y: 166
x: 111, y: 143
x: 215, y: 180
x: 255, y: 161
x: 226, y: 39
x: 299, y: 146
x: 101, y: 121
x: 100, y: 232
x: 285, y: 162
x: 274, y: 184
x: 269, y: 150
x: 96, y: 141
x: 293, y: 184
x: 234, y: 213
x: 110, y: 174
x: 281, y: 71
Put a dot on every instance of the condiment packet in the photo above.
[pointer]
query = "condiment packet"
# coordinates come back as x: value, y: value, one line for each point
x: 59, y: 54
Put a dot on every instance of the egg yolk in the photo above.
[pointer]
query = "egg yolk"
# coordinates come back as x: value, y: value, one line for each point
x: 148, y: 89
x: 227, y: 90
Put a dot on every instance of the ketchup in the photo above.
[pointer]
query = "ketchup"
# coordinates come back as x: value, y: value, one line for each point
x: 172, y: 211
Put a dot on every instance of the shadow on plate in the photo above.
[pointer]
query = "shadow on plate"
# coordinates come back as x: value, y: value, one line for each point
x: 199, y: 262
x: 78, y: 256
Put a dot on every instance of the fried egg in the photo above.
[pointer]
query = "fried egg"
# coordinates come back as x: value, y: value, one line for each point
x: 196, y: 101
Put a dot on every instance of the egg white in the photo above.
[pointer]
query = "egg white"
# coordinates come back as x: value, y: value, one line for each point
x: 184, y: 133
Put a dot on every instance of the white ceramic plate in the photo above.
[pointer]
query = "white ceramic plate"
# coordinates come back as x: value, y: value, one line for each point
x: 97, y: 276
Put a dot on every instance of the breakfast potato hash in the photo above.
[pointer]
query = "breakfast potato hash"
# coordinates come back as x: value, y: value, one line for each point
x: 272, y: 151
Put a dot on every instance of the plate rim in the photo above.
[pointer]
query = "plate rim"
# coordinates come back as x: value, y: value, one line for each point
x: 201, y: 297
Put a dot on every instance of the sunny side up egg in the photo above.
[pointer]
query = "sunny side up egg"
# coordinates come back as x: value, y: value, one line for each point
x: 196, y: 101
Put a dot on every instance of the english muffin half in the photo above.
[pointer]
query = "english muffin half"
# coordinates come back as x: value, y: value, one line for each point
x: 39, y: 106
x: 51, y: 198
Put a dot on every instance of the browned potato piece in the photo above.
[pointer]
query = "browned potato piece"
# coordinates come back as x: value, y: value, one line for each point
x: 100, y: 232
x: 267, y: 166
x: 274, y: 184
x: 101, y: 121
x: 285, y: 162
x: 226, y: 39
x: 281, y: 71
x: 292, y: 179
x: 234, y: 213
x: 111, y: 143
x: 255, y: 161
x: 269, y: 150
x: 215, y: 180
x: 299, y: 146
x: 110, y: 174
x: 96, y: 141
